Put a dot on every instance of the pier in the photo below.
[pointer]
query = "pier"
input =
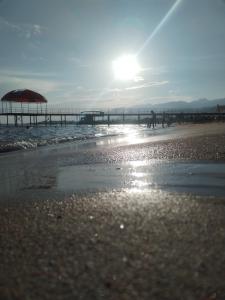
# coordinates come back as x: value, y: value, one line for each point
x: 29, y: 108
x: 47, y: 118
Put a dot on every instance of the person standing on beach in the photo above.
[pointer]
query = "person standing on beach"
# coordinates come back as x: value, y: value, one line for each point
x: 163, y: 119
x: 153, y: 119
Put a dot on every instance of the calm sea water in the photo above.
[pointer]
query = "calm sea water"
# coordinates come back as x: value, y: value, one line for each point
x: 16, y: 138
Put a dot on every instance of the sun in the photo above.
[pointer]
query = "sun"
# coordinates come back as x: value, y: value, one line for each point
x: 126, y: 67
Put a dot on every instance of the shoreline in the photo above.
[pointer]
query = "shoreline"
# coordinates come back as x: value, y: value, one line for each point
x: 122, y: 139
x: 56, y: 171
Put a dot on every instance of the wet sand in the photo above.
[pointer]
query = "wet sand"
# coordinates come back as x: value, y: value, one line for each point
x: 128, y: 242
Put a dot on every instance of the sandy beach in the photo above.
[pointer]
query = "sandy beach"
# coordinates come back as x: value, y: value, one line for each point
x: 135, y: 218
x: 112, y: 150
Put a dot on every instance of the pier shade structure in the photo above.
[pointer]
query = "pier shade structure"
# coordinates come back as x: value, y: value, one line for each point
x: 23, y: 101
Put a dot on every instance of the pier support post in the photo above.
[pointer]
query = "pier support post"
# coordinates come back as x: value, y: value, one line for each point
x: 16, y: 120
x: 139, y: 119
x: 7, y: 119
x: 108, y: 119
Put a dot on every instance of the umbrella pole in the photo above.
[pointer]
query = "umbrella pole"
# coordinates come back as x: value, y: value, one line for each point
x: 21, y: 114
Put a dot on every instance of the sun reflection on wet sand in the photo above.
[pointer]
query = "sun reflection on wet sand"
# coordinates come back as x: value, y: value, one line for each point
x: 139, y: 183
x: 139, y: 163
x: 192, y: 177
x: 133, y: 139
x: 138, y: 174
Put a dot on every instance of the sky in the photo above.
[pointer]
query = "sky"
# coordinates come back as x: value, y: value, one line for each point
x: 64, y: 49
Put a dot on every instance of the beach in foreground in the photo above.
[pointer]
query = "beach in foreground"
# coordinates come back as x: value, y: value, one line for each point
x: 129, y: 220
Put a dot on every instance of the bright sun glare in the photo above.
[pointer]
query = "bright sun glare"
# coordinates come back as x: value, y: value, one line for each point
x: 126, y: 67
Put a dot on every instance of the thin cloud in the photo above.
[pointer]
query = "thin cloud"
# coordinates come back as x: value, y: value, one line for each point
x: 5, y: 24
x: 202, y: 57
x: 155, y: 71
x: 25, y: 30
x: 79, y: 63
x: 169, y: 98
x: 138, y: 78
x: 105, y: 97
x: 33, y: 81
x: 147, y: 85
x: 93, y: 102
x: 25, y: 74
x: 137, y: 87
x: 81, y: 91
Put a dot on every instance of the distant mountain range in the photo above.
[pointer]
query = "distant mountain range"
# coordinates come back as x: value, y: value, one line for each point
x: 200, y: 105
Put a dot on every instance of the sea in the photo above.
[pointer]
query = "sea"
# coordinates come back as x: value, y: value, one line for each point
x: 24, y: 138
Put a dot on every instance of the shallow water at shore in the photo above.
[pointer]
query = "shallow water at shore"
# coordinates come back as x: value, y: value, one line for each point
x: 132, y: 160
x: 199, y: 178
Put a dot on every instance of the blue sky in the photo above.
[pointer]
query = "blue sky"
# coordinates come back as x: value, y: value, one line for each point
x: 65, y: 49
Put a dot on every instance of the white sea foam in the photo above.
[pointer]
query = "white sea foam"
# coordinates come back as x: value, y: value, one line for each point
x: 16, y: 138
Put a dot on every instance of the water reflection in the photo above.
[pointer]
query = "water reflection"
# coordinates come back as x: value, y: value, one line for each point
x: 31, y: 174
x: 193, y: 177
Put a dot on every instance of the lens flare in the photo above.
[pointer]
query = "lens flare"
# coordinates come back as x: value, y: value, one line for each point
x: 160, y: 25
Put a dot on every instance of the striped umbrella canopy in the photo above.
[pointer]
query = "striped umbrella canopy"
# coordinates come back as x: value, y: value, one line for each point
x: 24, y: 96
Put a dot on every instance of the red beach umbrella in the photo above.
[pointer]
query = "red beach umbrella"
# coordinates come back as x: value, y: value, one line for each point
x: 25, y: 96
